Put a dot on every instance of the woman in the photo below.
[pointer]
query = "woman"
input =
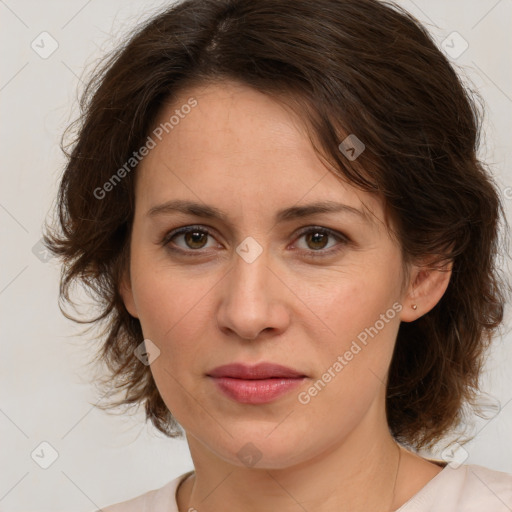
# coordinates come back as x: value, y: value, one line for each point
x: 279, y: 207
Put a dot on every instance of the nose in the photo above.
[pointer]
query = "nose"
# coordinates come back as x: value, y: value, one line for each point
x: 253, y: 299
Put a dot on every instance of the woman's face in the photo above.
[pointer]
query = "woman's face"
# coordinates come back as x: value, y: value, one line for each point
x: 319, y: 293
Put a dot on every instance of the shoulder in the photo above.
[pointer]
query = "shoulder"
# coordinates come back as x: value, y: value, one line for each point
x: 468, y: 488
x: 156, y: 500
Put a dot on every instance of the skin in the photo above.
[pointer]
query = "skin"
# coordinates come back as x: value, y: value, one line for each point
x: 246, y: 154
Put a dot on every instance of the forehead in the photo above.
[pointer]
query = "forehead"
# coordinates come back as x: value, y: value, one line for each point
x: 238, y: 146
x: 233, y: 119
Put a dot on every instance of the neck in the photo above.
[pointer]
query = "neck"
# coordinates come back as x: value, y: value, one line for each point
x: 359, y: 473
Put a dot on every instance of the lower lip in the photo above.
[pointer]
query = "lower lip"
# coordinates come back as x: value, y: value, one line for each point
x: 256, y: 391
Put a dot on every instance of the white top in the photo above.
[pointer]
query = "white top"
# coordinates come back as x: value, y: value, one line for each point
x: 469, y: 488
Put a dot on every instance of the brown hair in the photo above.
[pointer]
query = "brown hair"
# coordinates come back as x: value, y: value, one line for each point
x: 360, y: 67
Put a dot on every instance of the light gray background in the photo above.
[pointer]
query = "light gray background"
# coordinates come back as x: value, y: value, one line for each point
x: 46, y: 392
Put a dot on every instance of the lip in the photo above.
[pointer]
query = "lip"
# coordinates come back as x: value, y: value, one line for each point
x: 257, y: 384
x: 258, y: 371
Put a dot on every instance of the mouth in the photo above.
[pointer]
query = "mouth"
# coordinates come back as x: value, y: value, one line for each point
x: 259, y: 384
x: 255, y: 372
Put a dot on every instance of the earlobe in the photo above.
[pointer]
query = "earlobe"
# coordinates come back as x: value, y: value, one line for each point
x: 126, y: 292
x: 426, y: 287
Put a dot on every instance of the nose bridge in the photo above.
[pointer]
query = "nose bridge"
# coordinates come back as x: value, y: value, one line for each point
x: 249, y: 280
x: 250, y: 304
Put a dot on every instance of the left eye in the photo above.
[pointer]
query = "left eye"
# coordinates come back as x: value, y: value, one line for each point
x: 317, y: 238
x: 196, y: 238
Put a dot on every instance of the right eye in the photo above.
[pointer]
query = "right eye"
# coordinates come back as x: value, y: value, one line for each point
x: 194, y: 238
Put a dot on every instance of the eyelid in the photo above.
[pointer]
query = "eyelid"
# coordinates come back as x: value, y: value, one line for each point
x: 332, y: 232
x: 343, y: 241
x: 184, y: 230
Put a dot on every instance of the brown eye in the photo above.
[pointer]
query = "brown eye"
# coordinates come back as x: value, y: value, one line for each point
x: 317, y: 240
x: 194, y: 238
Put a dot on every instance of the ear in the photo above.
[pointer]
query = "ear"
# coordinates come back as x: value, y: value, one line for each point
x: 126, y: 292
x: 426, y: 286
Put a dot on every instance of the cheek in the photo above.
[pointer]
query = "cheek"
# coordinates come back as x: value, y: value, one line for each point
x: 358, y: 316
x: 174, y: 316
x: 352, y: 363
x: 168, y: 308
x: 162, y: 295
x: 173, y: 309
x: 348, y: 300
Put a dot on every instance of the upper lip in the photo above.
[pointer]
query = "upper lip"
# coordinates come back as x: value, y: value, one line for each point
x: 259, y: 371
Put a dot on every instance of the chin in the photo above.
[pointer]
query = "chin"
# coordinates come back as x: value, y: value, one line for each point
x: 256, y: 449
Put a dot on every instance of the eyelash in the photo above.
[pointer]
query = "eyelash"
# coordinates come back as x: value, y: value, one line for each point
x: 310, y: 229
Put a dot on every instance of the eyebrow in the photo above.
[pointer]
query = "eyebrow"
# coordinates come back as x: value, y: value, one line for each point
x: 285, y: 215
